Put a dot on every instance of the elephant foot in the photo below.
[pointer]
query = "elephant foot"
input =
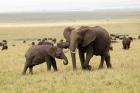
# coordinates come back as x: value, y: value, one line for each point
x: 109, y: 67
x: 31, y: 73
x: 23, y: 73
x: 84, y: 67
x: 100, y: 67
x: 48, y: 70
x: 87, y: 67
x: 55, y: 70
x: 74, y: 69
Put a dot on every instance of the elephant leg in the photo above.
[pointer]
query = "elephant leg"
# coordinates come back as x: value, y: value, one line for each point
x: 48, y: 66
x: 89, y: 55
x: 101, y: 62
x: 31, y: 69
x: 124, y: 46
x: 54, y: 64
x: 25, y: 69
x: 128, y: 46
x: 49, y: 63
x: 82, y: 58
x: 107, y: 59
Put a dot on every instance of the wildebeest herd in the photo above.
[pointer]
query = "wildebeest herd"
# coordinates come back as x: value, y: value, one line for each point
x: 126, y: 40
x: 4, y: 45
x: 88, y: 40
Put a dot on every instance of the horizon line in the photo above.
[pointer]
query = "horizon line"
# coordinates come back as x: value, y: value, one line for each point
x: 59, y: 11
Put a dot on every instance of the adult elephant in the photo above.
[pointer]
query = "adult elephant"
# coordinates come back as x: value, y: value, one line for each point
x: 90, y: 41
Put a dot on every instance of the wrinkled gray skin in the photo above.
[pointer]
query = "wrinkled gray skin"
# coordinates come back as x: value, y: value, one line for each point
x: 89, y: 41
x: 38, y: 54
x: 126, y: 42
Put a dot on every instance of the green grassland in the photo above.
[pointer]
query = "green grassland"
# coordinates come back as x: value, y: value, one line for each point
x: 124, y: 77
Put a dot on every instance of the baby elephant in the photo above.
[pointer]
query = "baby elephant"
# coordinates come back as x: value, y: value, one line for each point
x: 38, y: 54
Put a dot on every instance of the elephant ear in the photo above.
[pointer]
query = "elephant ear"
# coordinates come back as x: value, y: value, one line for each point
x: 88, y: 36
x: 67, y: 32
x: 52, y: 51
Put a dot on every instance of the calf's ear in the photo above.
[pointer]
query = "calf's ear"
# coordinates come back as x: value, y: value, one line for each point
x: 52, y: 51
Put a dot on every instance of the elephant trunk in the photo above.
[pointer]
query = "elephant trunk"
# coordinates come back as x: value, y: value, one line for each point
x: 65, y: 60
x: 73, y: 56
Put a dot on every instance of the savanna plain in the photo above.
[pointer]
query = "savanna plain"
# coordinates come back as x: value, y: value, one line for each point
x: 124, y: 77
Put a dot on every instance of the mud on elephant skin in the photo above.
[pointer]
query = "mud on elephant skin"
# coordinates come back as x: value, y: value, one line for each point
x: 90, y: 41
x: 38, y: 54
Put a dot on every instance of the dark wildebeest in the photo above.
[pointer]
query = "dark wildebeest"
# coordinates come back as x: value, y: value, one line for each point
x: 24, y: 41
x: 4, y: 47
x: 33, y: 43
x: 139, y: 37
x: 126, y: 42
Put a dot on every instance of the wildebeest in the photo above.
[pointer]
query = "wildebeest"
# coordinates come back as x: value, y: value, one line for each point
x: 4, y: 41
x: 114, y: 41
x: 33, y: 43
x: 24, y: 41
x: 4, y: 47
x: 63, y: 45
x: 61, y: 40
x: 40, y: 43
x: 38, y: 39
x: 44, y: 39
x: 13, y: 45
x: 139, y: 37
x: 45, y: 43
x: 1, y: 44
x: 54, y: 40
x: 126, y: 42
x: 50, y: 38
x: 117, y: 36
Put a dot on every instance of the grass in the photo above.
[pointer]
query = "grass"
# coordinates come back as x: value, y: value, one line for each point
x: 123, y: 78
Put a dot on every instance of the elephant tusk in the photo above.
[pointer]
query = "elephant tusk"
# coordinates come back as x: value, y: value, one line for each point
x: 72, y: 52
x: 66, y: 51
